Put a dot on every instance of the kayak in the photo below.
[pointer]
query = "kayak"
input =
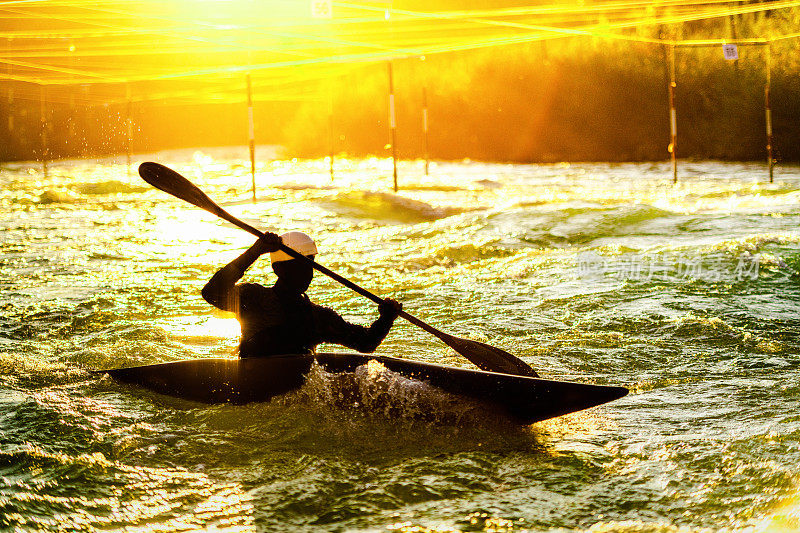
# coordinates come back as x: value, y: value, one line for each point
x: 241, y: 381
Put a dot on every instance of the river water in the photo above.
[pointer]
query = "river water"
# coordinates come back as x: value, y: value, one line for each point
x: 687, y: 294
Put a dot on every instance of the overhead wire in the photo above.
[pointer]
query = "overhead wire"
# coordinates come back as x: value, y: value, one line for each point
x: 111, y: 42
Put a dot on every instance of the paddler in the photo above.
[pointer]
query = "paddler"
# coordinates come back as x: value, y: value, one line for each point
x: 281, y: 319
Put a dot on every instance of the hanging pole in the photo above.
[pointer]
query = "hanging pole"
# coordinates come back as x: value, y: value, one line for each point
x: 387, y: 14
x: 71, y: 134
x: 43, y: 126
x: 768, y: 111
x: 251, y: 134
x: 10, y: 111
x: 128, y: 125
x: 425, y: 125
x: 10, y: 90
x: 425, y: 117
x: 673, y: 117
x: 731, y: 23
x: 330, y: 133
x: 88, y: 116
x: 393, y: 124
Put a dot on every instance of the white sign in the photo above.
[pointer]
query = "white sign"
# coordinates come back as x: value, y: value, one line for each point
x: 730, y: 51
x: 322, y: 9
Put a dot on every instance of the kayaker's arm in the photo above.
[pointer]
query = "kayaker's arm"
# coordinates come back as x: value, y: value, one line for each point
x: 336, y: 330
x: 220, y: 291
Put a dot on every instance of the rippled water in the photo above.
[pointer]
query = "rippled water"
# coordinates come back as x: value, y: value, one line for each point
x: 597, y: 273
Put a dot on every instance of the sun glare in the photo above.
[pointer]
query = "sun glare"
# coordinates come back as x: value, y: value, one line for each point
x: 201, y: 329
x: 241, y: 14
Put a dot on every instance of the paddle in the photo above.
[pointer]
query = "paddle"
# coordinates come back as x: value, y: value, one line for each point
x: 482, y: 355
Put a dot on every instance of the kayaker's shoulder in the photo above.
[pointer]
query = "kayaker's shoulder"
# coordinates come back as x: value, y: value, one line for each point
x: 256, y: 289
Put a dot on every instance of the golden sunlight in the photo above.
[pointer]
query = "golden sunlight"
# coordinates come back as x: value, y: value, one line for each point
x: 202, y: 329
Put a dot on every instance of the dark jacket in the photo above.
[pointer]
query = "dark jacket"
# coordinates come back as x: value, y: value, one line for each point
x: 273, y: 324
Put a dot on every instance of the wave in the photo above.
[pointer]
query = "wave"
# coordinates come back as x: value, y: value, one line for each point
x: 108, y: 187
x: 754, y: 243
x: 57, y: 196
x: 77, y: 193
x: 637, y: 526
x: 489, y: 184
x: 748, y: 260
x: 387, y: 207
x: 304, y: 187
x: 27, y: 368
x: 581, y: 225
x: 432, y: 188
x: 542, y: 225
x: 740, y: 190
x: 149, y: 491
x: 452, y: 255
x: 726, y: 338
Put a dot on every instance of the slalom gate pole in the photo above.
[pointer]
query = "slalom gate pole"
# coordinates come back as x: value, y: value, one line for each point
x: 393, y: 124
x: 425, y: 125
x: 43, y: 130
x: 330, y: 132
x: 768, y: 111
x: 673, y: 118
x: 9, y: 69
x: 129, y: 125
x: 251, y: 134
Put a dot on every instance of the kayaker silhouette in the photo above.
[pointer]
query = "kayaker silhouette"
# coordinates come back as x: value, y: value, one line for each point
x: 281, y: 319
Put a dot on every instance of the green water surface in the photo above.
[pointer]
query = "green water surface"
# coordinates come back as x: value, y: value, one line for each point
x: 597, y: 273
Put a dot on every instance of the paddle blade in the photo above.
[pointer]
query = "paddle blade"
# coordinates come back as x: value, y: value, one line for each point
x: 169, y: 181
x: 489, y: 358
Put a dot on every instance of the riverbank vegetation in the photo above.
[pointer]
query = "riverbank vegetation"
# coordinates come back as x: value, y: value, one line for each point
x: 573, y: 99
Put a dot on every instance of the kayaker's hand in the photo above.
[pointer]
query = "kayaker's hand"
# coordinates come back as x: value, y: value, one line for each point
x: 390, y: 308
x: 269, y: 243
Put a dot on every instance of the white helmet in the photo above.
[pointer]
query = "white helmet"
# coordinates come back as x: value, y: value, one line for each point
x: 298, y: 241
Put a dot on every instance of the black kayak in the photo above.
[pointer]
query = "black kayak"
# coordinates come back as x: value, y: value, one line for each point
x: 241, y: 381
